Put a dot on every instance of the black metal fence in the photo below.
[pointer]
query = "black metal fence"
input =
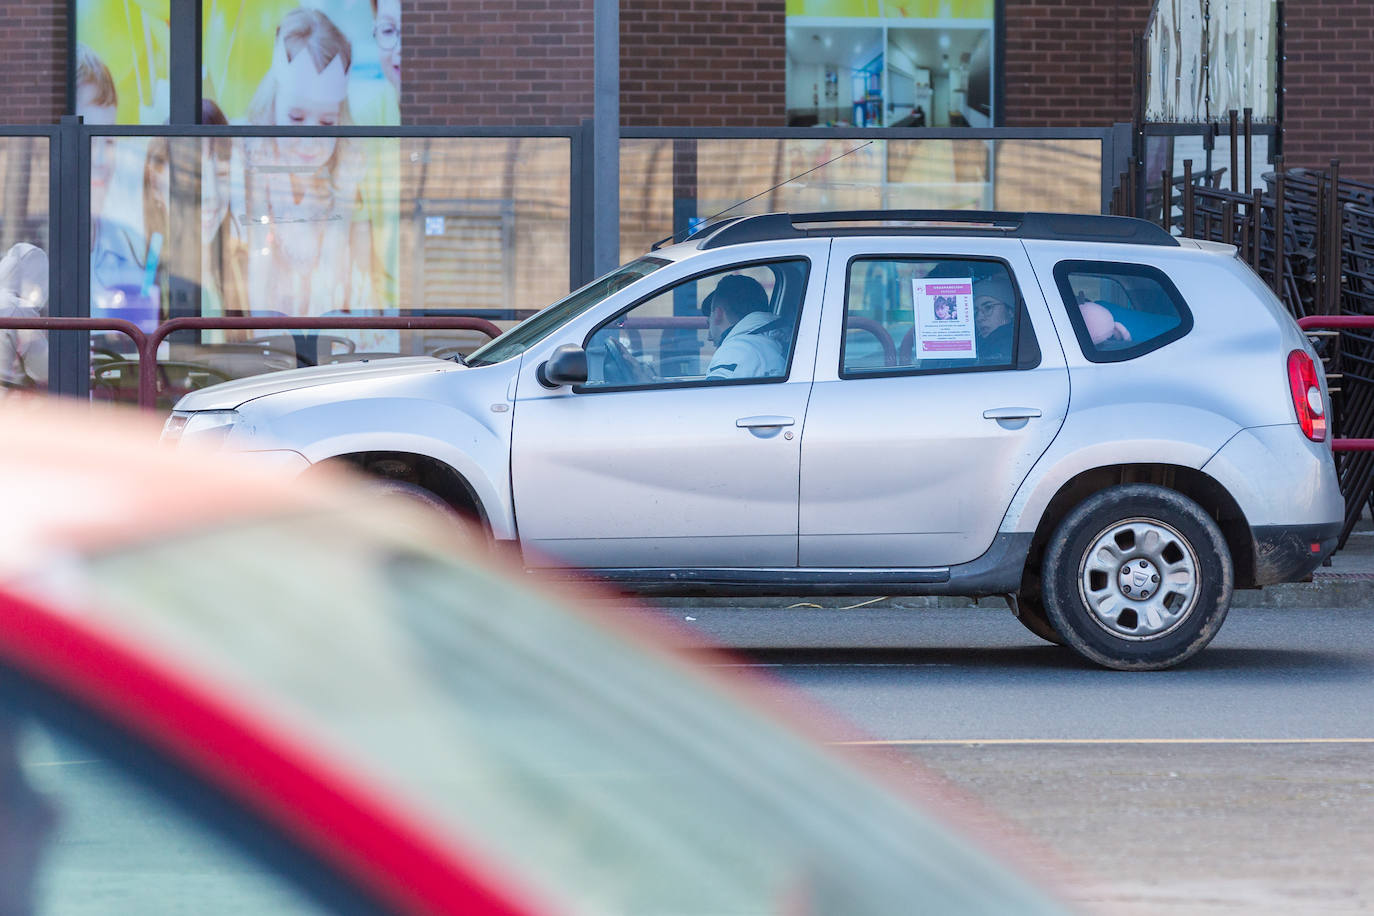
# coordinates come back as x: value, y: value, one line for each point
x: 1309, y: 234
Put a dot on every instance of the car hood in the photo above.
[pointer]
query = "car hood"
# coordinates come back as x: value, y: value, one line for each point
x: 228, y: 395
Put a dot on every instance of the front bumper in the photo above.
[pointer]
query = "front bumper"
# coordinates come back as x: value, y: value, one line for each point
x: 1289, y: 553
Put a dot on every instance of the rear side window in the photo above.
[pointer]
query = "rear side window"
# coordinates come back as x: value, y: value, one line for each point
x: 1121, y: 311
x: 910, y: 315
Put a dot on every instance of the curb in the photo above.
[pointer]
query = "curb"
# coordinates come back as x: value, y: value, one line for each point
x: 1326, y: 590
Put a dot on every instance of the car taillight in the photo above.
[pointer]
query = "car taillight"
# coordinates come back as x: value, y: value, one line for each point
x: 1307, y: 395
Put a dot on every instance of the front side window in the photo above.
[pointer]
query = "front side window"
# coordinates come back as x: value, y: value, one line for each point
x: 737, y: 324
x: 1121, y: 311
x: 521, y: 337
x: 933, y: 314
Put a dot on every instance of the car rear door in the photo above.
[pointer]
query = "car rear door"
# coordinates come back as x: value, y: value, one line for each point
x: 919, y: 430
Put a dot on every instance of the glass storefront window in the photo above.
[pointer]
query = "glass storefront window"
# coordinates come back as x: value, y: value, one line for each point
x: 319, y: 226
x: 881, y: 63
x: 668, y: 184
x: 24, y: 269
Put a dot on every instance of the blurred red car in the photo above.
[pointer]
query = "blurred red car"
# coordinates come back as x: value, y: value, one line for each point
x: 228, y: 693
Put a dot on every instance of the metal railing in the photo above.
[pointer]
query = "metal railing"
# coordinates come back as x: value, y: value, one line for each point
x: 1334, y: 324
x: 147, y: 343
x: 1346, y: 346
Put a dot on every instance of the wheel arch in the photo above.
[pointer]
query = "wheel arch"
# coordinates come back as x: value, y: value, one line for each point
x: 1191, y: 482
x: 424, y: 471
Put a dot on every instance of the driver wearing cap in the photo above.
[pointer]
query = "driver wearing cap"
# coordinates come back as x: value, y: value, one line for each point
x: 744, y: 330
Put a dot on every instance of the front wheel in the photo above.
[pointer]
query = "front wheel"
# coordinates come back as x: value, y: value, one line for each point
x: 1138, y: 578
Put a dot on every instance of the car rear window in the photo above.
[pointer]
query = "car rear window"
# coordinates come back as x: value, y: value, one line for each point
x: 1121, y: 311
x: 929, y: 314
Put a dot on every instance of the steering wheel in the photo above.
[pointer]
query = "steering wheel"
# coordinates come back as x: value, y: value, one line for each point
x: 621, y: 368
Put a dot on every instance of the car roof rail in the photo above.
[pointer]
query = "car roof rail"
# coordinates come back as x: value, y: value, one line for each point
x: 1073, y: 227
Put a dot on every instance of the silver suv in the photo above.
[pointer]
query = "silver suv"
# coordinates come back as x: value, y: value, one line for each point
x: 1110, y: 426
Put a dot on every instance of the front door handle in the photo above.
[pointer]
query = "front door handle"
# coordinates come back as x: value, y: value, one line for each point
x: 763, y: 421
x: 1011, y: 413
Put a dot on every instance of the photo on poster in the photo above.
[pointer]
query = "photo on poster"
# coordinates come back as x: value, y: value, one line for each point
x: 944, y: 319
x: 122, y: 62
x: 351, y: 72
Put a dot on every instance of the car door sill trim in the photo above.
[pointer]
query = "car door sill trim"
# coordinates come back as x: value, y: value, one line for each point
x: 997, y: 572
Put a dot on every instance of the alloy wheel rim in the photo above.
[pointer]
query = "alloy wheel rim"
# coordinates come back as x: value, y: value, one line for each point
x: 1139, y: 579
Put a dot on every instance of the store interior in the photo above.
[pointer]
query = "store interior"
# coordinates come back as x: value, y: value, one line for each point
x: 865, y: 76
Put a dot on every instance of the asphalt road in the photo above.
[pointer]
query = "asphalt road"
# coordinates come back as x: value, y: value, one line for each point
x: 1240, y: 782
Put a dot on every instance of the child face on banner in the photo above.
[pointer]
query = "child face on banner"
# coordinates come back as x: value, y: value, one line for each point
x: 387, y: 31
x: 307, y: 97
x: 90, y: 111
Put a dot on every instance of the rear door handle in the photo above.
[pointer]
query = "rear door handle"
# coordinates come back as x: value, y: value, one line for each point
x: 766, y: 420
x: 1011, y: 413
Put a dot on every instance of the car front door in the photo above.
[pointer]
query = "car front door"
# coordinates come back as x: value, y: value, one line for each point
x: 676, y: 453
x: 939, y: 382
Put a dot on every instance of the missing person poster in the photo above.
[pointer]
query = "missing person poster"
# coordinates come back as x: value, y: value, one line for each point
x: 944, y: 319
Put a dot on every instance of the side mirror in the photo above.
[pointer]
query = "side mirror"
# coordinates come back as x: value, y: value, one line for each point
x: 567, y: 366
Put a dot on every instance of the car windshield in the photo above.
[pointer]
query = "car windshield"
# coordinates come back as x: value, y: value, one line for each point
x: 613, y: 778
x: 535, y: 328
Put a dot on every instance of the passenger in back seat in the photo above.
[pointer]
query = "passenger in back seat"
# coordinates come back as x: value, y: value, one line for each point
x: 1101, y: 324
x: 993, y: 323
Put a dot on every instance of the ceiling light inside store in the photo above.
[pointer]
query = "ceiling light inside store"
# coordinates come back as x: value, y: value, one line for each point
x: 827, y: 41
x: 944, y: 39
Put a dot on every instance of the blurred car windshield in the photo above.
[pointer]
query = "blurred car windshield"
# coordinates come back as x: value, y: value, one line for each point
x: 615, y: 778
x: 535, y: 328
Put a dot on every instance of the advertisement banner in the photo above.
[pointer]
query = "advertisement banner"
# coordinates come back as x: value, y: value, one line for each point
x: 123, y: 61
x: 251, y: 71
x: 320, y: 63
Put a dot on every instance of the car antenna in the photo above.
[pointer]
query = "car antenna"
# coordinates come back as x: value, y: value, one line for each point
x: 741, y: 203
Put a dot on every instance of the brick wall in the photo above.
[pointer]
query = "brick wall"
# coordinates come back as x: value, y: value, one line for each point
x: 703, y: 63
x: 33, y: 44
x: 496, y: 62
x: 1329, y: 106
x: 1068, y: 62
x: 723, y: 62
x: 493, y: 62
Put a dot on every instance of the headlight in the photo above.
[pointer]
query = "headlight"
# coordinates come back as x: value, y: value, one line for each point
x: 207, y: 428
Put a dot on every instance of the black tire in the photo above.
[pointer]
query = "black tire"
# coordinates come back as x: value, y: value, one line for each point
x: 403, y: 492
x: 414, y: 494
x: 1031, y: 614
x: 1137, y: 578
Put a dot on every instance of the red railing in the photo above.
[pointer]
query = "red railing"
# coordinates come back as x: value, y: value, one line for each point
x: 147, y: 343
x: 1341, y: 323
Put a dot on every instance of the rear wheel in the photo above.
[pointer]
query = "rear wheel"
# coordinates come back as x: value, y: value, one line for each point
x: 1137, y: 577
